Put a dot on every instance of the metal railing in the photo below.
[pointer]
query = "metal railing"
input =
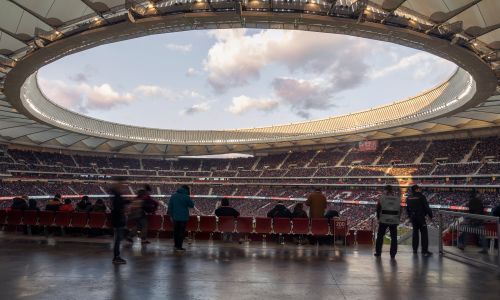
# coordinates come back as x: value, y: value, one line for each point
x: 464, y: 225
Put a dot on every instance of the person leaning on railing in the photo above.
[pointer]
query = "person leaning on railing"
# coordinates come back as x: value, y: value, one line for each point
x: 476, y: 207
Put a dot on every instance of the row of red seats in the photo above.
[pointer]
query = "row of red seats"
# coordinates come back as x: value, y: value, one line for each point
x: 195, y: 224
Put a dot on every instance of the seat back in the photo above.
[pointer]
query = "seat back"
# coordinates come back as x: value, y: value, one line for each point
x: 300, y: 226
x: 244, y: 224
x: 79, y: 219
x: 226, y: 224
x: 319, y: 226
x: 62, y: 218
x: 3, y: 217
x: 167, y: 223
x: 208, y: 224
x: 155, y: 222
x: 192, y: 224
x: 30, y: 217
x: 97, y: 219
x: 282, y: 225
x: 14, y: 217
x: 46, y: 218
x: 263, y: 225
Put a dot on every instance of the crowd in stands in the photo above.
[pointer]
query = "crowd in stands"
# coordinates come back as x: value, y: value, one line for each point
x: 403, y: 152
x: 451, y: 150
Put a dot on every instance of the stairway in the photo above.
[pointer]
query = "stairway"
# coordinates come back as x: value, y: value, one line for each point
x: 311, y: 160
x: 421, y: 156
x: 339, y: 163
x: 469, y: 154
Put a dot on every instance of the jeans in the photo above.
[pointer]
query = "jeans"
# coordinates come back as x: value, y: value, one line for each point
x: 393, y: 229
x: 420, y: 228
x: 179, y: 233
x: 119, y: 233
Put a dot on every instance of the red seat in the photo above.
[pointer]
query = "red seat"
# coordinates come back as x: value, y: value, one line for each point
x: 244, y: 224
x: 97, y: 219
x: 46, y: 218
x: 226, y: 224
x: 319, y: 226
x: 282, y: 225
x: 79, y: 219
x: 30, y: 217
x: 208, y: 224
x: 300, y: 226
x: 192, y: 224
x: 62, y: 218
x: 14, y: 217
x: 167, y: 223
x: 154, y: 222
x: 263, y: 225
x: 3, y: 217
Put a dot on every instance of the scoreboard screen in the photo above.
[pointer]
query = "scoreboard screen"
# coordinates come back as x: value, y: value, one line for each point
x: 368, y: 146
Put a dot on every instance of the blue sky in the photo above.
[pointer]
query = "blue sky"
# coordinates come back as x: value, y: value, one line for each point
x: 237, y: 78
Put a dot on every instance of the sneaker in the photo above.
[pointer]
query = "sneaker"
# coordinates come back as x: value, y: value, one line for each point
x: 179, y: 249
x: 483, y: 252
x: 427, y: 254
x: 145, y: 242
x: 119, y: 261
x: 393, y: 257
x: 377, y: 254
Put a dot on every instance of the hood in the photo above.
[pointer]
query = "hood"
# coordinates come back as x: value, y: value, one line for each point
x: 182, y: 190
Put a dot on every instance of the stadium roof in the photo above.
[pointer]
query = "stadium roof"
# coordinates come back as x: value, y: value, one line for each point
x: 35, y: 33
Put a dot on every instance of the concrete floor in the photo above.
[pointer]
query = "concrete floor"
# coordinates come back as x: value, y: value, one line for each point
x: 71, y: 268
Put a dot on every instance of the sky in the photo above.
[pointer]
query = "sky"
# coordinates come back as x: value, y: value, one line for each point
x: 237, y: 78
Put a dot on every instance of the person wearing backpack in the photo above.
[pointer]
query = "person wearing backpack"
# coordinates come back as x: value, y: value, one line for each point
x: 140, y: 208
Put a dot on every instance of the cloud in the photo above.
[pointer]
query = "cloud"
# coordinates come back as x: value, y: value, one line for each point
x: 196, y: 108
x: 303, y: 95
x: 83, y: 97
x: 192, y: 72
x: 184, y: 48
x: 243, y: 104
x: 236, y: 58
x: 155, y: 91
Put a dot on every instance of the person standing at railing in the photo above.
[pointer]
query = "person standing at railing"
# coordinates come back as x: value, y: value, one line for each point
x: 388, y: 212
x: 476, y: 207
x: 178, y: 209
x: 418, y: 209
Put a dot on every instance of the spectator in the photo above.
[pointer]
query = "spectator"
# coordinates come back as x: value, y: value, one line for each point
x: 279, y: 211
x: 19, y: 203
x: 178, y: 209
x: 147, y: 205
x: 99, y: 206
x: 317, y: 204
x: 225, y: 210
x: 118, y: 218
x: 332, y: 213
x: 476, y: 207
x: 67, y: 206
x: 388, y: 212
x: 32, y: 205
x: 418, y: 208
x: 84, y: 205
x: 54, y: 204
x: 298, y: 211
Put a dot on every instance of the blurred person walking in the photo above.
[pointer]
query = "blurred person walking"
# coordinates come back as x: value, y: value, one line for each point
x: 178, y: 209
x: 388, y: 213
x: 118, y: 217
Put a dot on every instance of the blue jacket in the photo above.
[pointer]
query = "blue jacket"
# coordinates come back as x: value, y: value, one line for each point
x: 179, y: 205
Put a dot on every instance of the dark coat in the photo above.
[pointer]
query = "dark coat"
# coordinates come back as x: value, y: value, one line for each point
x: 279, y: 211
x: 226, y: 211
x: 418, y: 208
x: 179, y: 205
x: 118, y: 204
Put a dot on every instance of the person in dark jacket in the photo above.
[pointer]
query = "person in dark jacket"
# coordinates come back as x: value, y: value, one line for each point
x: 224, y: 210
x: 332, y: 213
x: 67, y: 206
x: 99, y: 206
x: 84, y: 205
x: 388, y: 214
x: 279, y: 211
x: 32, y: 205
x: 19, y: 203
x: 54, y: 204
x: 298, y: 211
x: 178, y: 208
x: 118, y: 217
x: 476, y: 207
x: 418, y: 209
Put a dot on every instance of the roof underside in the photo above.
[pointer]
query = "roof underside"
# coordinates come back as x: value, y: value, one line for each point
x: 27, y: 25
